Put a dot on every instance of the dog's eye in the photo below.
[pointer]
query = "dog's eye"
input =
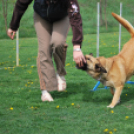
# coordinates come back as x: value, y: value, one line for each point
x: 88, y: 58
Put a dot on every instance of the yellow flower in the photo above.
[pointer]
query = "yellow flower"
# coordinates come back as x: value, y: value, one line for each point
x: 112, y: 111
x: 126, y: 117
x: 110, y: 132
x: 126, y: 94
x: 32, y: 107
x: 106, y: 130
x: 11, y: 108
x: 57, y: 106
x: 115, y: 129
x: 72, y: 104
x: 5, y: 68
x: 68, y: 64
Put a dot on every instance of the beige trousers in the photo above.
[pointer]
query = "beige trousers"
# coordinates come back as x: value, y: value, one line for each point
x: 51, y: 42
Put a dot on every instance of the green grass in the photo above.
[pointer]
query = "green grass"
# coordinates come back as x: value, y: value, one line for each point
x: 22, y: 112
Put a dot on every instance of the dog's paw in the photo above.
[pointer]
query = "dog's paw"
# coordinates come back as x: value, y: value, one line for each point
x: 110, y: 106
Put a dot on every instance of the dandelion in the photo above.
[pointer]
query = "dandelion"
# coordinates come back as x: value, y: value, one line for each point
x: 126, y: 117
x: 115, y: 129
x: 32, y: 107
x: 110, y: 132
x: 57, y: 106
x: 29, y: 71
x: 126, y: 94
x: 5, y: 68
x: 65, y: 91
x: 72, y: 104
x: 112, y: 111
x: 29, y: 59
x: 68, y: 64
x: 11, y: 108
x: 106, y: 130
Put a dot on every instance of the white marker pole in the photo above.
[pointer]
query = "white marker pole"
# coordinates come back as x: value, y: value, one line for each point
x: 98, y: 18
x: 120, y: 28
x: 17, y: 48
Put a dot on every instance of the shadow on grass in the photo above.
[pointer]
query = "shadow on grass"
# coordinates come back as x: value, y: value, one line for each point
x: 72, y: 89
x: 99, y: 96
x: 104, y: 95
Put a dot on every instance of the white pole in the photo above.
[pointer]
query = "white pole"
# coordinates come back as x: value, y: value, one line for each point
x: 98, y: 18
x: 17, y: 48
x: 120, y: 28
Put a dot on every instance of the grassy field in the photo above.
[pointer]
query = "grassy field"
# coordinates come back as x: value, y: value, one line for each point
x: 75, y: 111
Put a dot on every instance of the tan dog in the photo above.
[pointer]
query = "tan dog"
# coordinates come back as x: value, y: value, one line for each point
x: 114, y: 71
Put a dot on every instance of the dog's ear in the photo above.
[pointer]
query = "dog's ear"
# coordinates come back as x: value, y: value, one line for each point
x: 91, y: 54
x: 99, y: 68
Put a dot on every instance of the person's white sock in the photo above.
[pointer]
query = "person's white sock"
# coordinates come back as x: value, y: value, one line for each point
x: 44, y: 92
x: 46, y: 96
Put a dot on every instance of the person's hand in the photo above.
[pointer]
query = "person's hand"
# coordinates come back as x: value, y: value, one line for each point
x: 11, y: 33
x: 79, y: 57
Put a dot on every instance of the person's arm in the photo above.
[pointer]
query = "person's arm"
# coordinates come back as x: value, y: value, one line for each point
x: 76, y: 24
x: 20, y: 8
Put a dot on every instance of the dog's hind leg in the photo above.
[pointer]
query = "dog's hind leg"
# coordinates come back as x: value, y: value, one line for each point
x: 116, y: 97
x: 112, y: 90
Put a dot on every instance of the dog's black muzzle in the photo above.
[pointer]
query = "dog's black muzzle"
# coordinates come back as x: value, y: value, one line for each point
x: 84, y: 67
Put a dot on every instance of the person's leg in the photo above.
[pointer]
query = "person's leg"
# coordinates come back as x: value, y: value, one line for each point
x: 46, y: 71
x: 59, y: 34
x: 58, y: 41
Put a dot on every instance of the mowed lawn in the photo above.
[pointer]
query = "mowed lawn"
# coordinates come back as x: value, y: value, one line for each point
x: 74, y: 111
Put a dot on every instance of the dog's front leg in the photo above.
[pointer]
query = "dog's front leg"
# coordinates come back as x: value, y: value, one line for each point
x: 116, y: 97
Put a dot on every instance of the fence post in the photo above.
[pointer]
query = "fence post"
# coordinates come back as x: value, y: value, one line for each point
x: 17, y: 48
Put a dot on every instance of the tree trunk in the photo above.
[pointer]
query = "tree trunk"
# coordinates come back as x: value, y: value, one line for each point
x: 4, y: 9
x: 106, y: 13
x: 101, y: 20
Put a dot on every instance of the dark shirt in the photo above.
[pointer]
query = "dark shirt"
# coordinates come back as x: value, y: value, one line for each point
x: 73, y: 13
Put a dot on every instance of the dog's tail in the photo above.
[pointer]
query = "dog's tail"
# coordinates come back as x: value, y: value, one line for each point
x: 125, y: 23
